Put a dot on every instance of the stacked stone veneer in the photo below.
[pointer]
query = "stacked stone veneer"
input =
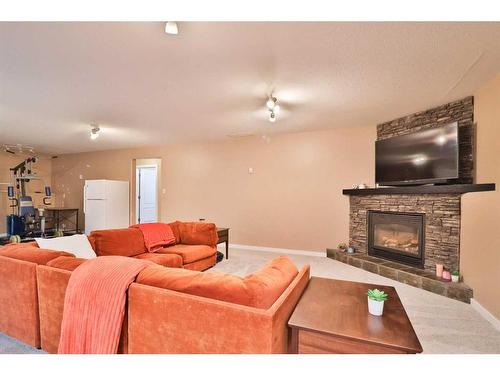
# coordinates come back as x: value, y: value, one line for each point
x: 442, y: 211
x: 442, y: 223
x: 461, y: 111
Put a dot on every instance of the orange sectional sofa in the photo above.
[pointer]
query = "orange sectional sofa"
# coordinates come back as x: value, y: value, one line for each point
x: 195, y: 245
x: 196, y: 312
x: 184, y: 311
x: 195, y: 248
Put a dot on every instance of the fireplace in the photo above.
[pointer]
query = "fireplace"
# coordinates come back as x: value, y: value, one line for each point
x: 397, y: 236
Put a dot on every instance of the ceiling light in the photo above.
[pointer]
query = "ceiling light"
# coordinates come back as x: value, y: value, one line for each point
x: 171, y: 28
x: 18, y: 149
x: 272, y: 116
x: 94, y: 132
x: 272, y: 107
x: 271, y: 102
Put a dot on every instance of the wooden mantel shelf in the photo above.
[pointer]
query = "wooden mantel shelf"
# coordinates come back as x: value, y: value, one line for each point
x: 424, y: 189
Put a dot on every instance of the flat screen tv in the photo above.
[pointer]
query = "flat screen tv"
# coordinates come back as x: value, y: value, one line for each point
x: 424, y: 157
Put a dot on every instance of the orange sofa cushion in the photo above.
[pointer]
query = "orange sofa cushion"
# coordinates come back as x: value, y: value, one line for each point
x: 166, y: 260
x: 18, y: 301
x: 198, y: 233
x: 260, y: 289
x: 175, y: 229
x: 19, y: 245
x: 125, y: 242
x: 66, y: 263
x: 32, y: 253
x: 202, y: 264
x: 189, y: 253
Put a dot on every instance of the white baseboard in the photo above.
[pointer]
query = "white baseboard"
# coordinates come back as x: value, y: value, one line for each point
x: 485, y: 314
x: 277, y: 250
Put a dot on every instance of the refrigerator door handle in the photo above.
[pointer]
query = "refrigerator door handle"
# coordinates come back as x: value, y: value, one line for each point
x: 85, y: 198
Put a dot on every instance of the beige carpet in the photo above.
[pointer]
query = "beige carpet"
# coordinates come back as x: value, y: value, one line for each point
x: 442, y: 325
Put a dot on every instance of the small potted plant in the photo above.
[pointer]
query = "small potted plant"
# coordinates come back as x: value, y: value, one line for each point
x: 342, y: 246
x: 455, y: 276
x: 376, y: 300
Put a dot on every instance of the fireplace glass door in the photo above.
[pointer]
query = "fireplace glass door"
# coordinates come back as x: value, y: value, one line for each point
x: 396, y: 236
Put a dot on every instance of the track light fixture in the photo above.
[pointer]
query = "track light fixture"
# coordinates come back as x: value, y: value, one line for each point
x: 271, y: 102
x: 272, y: 116
x: 272, y: 107
x: 94, y: 132
x: 171, y: 28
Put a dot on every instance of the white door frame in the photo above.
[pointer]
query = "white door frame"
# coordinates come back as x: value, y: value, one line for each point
x: 137, y: 190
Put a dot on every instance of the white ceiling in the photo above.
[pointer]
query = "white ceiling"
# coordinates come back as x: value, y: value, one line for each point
x: 146, y: 87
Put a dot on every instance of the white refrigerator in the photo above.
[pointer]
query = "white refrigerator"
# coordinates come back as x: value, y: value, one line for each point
x: 106, y: 204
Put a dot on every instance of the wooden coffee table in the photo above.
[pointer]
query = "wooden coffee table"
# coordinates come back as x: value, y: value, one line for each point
x: 332, y: 317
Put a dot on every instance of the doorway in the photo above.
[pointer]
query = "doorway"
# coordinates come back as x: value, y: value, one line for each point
x: 146, y: 191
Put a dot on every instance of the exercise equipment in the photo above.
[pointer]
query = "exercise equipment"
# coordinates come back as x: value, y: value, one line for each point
x: 25, y: 220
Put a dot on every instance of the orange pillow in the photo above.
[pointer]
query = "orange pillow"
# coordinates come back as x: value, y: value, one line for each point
x: 260, y: 289
x: 125, y: 242
x: 198, y: 234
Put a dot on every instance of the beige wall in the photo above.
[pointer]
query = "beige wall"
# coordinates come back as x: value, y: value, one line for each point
x: 35, y: 188
x: 293, y: 199
x: 480, y: 232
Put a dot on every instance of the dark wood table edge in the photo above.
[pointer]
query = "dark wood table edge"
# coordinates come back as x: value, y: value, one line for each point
x: 226, y: 240
x: 295, y: 340
x: 295, y: 329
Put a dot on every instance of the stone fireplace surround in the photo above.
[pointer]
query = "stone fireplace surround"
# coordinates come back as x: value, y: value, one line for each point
x: 442, y: 223
x: 442, y: 211
x: 440, y: 205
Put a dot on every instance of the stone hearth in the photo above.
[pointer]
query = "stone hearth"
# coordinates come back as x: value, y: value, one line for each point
x: 408, y: 275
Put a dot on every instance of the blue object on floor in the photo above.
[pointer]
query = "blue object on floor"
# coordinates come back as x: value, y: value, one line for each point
x: 15, y: 225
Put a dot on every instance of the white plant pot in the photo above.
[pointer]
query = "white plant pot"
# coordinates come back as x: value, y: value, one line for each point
x: 375, y: 307
x: 455, y: 278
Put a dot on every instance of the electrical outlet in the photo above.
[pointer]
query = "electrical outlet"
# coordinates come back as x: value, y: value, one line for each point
x: 250, y: 170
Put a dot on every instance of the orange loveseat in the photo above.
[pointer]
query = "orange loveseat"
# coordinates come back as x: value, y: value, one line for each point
x: 194, y: 248
x: 183, y: 311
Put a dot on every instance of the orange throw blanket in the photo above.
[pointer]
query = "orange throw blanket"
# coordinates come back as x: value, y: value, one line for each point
x: 94, y: 305
x: 156, y: 235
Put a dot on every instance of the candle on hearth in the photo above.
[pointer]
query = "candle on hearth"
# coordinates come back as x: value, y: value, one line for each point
x: 439, y: 270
